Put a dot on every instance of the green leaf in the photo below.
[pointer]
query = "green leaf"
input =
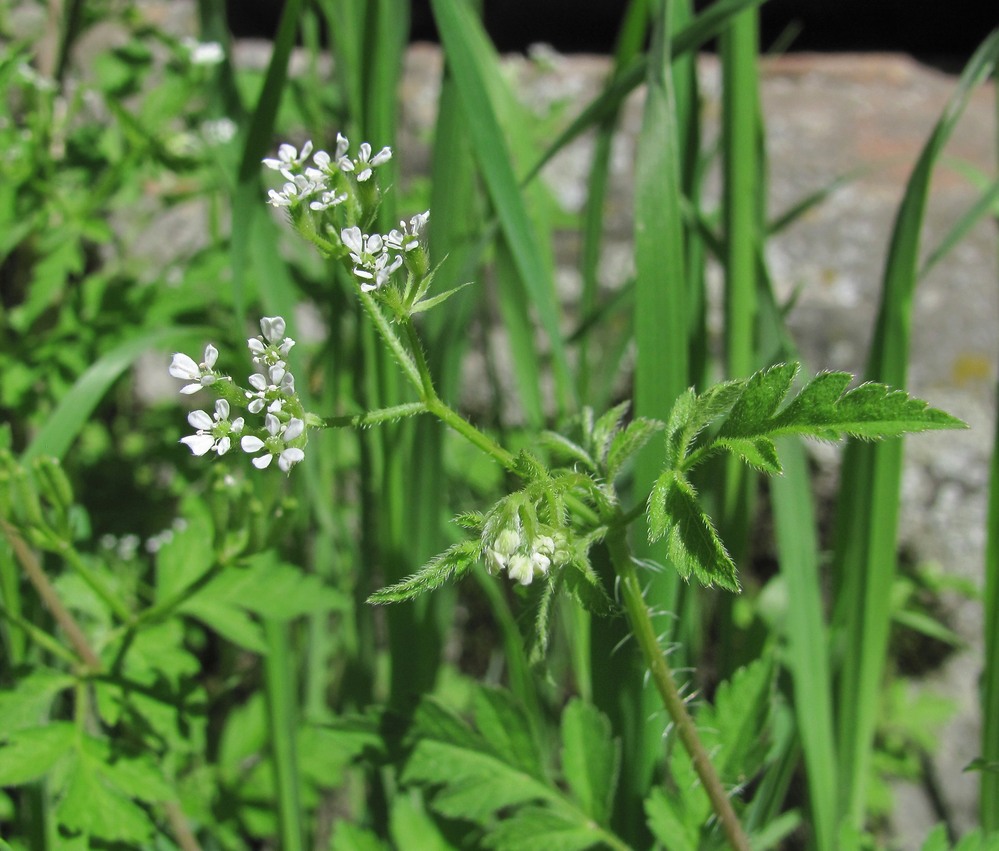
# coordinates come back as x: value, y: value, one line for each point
x: 31, y: 753
x: 270, y: 588
x: 605, y: 428
x: 560, y: 445
x: 229, y: 622
x: 759, y: 452
x: 590, y: 758
x: 761, y: 395
x: 446, y: 567
x: 27, y: 704
x: 186, y: 557
x: 504, y: 725
x: 826, y: 410
x: 350, y: 837
x: 629, y: 441
x: 473, y: 781
x: 692, y: 543
x: 667, y: 825
x: 539, y: 829
x: 92, y: 806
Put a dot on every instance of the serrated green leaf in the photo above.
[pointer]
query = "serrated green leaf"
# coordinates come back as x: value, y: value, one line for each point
x: 538, y: 829
x: 583, y: 583
x: 590, y: 758
x: 140, y: 779
x: 31, y: 753
x: 760, y: 398
x: 825, y: 409
x: 629, y: 441
x: 472, y: 780
x: 760, y: 453
x: 446, y: 567
x: 504, y: 725
x: 27, y: 704
x: 667, y: 825
x: 471, y: 784
x: 692, y: 543
x: 93, y: 807
x: 739, y: 720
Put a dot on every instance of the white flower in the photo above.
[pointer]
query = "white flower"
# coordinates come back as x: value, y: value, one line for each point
x: 212, y: 433
x: 219, y: 131
x: 289, y: 159
x: 521, y: 569
x: 275, y: 444
x: 297, y: 189
x: 204, y: 52
x: 272, y: 348
x: 327, y: 200
x: 200, y: 375
x: 271, y: 389
x: 365, y: 163
x: 409, y: 237
x: 373, y: 265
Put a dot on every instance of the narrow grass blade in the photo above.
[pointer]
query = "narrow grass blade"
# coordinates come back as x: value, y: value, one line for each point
x: 468, y: 54
x: 989, y: 785
x: 869, y: 501
x: 247, y: 200
x: 701, y: 29
x: 742, y: 215
x: 987, y: 204
x: 73, y: 410
x: 807, y: 637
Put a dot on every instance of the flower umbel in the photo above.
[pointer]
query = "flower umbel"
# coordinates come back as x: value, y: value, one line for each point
x: 271, y: 393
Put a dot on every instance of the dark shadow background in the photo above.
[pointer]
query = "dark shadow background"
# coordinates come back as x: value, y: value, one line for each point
x: 939, y: 32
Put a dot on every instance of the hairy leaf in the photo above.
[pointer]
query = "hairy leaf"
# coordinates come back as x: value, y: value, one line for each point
x: 827, y: 410
x: 629, y: 441
x: 692, y: 543
x: 448, y: 566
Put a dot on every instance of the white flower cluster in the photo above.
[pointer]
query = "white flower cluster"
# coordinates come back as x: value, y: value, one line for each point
x: 523, y: 559
x: 319, y: 183
x: 376, y: 257
x: 272, y: 392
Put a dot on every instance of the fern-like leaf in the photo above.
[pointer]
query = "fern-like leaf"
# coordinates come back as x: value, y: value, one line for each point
x: 448, y: 566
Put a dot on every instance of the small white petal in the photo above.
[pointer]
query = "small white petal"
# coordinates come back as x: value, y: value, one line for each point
x: 184, y: 367
x: 351, y: 237
x: 200, y: 420
x: 294, y: 428
x: 188, y: 389
x: 256, y: 347
x: 262, y: 461
x: 251, y: 444
x: 289, y: 458
x: 223, y: 446
x: 258, y: 381
x: 211, y: 355
x: 256, y: 406
x: 200, y: 444
x: 237, y: 425
x: 222, y: 409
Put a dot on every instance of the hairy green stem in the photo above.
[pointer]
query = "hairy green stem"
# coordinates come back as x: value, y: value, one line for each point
x: 382, y: 415
x: 662, y: 676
